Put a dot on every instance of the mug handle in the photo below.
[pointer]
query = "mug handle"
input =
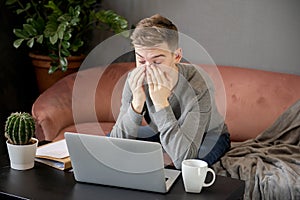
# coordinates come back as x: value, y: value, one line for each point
x: 213, y: 179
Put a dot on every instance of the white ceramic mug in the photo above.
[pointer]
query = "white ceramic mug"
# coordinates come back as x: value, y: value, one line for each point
x: 194, y: 173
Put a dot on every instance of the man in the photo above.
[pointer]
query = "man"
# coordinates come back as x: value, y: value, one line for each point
x: 173, y: 98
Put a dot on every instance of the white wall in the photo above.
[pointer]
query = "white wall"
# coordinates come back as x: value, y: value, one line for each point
x: 261, y: 34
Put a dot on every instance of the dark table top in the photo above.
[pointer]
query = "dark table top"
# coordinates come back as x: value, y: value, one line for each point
x: 43, y: 182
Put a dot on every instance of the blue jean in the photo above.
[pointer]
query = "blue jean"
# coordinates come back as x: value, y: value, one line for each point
x: 221, y: 146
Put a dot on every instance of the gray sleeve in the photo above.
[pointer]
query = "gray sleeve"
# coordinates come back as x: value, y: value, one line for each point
x: 181, y: 139
x: 128, y: 120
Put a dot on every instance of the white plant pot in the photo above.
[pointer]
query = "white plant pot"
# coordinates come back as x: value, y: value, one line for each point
x: 22, y: 156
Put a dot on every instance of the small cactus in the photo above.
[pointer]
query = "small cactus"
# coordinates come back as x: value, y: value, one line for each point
x: 19, y: 128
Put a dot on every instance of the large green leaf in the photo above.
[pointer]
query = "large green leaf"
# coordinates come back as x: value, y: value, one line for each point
x: 53, y: 68
x: 18, y: 42
x: 53, y: 38
x: 65, y: 44
x: 40, y: 39
x: 20, y: 33
x: 65, y: 52
x: 63, y: 61
x: 29, y: 29
x: 61, y: 30
x: 67, y: 36
x: 30, y: 42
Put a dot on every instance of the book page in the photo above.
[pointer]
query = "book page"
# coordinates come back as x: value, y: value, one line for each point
x: 55, y: 149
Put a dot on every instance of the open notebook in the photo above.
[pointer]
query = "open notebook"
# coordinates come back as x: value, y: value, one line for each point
x: 54, y: 154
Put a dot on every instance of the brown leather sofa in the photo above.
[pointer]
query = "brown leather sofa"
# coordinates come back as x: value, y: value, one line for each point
x: 254, y: 100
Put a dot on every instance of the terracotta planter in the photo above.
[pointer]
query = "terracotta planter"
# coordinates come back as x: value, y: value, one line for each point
x: 41, y: 64
x: 22, y: 156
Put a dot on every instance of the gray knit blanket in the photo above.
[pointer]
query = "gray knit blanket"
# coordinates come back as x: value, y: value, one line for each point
x: 270, y: 163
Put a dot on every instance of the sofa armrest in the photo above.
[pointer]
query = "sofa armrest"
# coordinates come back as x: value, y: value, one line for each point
x: 52, y: 110
x: 96, y: 98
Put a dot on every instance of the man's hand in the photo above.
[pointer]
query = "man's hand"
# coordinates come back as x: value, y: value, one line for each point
x: 160, y: 86
x: 136, y: 81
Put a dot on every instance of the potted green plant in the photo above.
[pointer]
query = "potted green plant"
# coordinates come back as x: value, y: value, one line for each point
x: 21, y: 144
x: 61, y: 29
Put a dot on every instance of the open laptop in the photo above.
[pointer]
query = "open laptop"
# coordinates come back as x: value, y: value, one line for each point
x: 119, y: 162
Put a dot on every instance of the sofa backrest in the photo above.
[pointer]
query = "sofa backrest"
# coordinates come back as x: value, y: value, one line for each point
x: 254, y: 98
